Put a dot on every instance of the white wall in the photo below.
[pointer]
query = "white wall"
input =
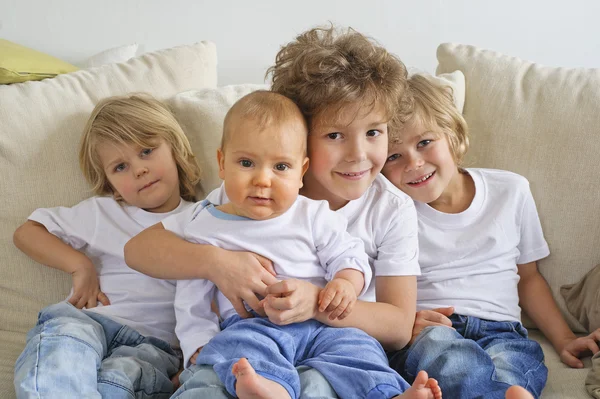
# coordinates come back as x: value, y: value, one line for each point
x: 249, y: 33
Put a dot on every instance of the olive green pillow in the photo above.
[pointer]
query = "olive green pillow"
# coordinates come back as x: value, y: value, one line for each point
x: 20, y: 64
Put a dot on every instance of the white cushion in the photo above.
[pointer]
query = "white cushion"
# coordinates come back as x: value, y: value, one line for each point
x: 112, y: 56
x: 40, y: 126
x: 540, y: 122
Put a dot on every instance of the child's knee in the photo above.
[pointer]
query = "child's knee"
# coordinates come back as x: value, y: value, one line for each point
x: 437, y: 333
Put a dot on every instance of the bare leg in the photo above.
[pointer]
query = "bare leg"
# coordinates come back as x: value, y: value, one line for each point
x: 423, y: 388
x: 250, y: 385
x: 517, y: 392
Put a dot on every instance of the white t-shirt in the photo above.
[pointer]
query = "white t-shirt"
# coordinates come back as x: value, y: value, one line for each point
x: 308, y: 242
x: 469, y: 259
x: 384, y: 218
x: 100, y: 227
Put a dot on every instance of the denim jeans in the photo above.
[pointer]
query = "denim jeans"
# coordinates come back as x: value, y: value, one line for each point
x: 353, y: 362
x: 201, y: 381
x: 72, y: 353
x: 480, y: 359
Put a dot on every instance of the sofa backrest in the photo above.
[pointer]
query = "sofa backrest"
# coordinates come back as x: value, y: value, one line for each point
x: 540, y: 122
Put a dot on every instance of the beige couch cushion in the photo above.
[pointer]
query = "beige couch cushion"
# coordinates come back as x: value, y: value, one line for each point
x: 201, y: 113
x: 583, y: 299
x: 563, y: 382
x: 40, y: 126
x: 539, y: 122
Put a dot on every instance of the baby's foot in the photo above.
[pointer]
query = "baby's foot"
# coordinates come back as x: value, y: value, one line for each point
x: 423, y: 388
x: 517, y: 392
x: 253, y: 386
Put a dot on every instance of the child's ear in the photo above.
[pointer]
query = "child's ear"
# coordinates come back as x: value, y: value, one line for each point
x: 304, y: 169
x: 221, y: 160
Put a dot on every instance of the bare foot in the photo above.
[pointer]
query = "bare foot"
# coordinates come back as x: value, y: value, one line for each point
x: 423, y: 388
x: 253, y: 386
x: 517, y: 392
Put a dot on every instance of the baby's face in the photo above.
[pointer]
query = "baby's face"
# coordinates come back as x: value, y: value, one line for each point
x: 263, y: 168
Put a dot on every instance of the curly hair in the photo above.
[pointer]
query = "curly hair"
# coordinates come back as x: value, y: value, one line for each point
x: 135, y: 119
x: 326, y: 69
x: 433, y: 106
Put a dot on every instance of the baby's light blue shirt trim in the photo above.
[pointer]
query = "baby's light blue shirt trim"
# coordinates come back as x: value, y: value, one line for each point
x: 211, y: 208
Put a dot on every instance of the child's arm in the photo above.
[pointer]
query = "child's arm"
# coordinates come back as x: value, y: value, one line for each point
x: 536, y: 299
x: 294, y: 301
x: 160, y: 253
x: 340, y: 294
x: 42, y: 246
x: 196, y: 322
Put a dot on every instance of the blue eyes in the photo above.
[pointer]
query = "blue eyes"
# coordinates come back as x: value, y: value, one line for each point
x: 123, y: 165
x: 281, y: 167
x: 420, y: 145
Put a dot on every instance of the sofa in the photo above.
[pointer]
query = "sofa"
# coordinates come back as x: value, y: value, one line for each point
x: 534, y: 120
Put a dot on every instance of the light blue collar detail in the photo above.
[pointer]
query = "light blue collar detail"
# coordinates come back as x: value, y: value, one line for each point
x: 222, y: 215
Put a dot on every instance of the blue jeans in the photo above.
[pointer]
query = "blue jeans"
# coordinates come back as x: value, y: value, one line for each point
x: 353, y: 362
x: 481, y: 359
x: 72, y: 353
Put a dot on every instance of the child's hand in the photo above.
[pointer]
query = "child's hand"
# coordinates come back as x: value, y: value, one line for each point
x: 338, y: 297
x: 175, y: 380
x: 579, y: 347
x: 291, y: 301
x: 242, y: 277
x: 86, y: 288
x: 195, y: 356
x: 433, y: 317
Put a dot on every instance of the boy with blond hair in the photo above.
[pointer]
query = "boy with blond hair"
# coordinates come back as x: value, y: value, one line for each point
x: 115, y: 335
x: 480, y: 239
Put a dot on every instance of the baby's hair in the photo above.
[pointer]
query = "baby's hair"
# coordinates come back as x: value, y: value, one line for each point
x: 327, y: 69
x: 265, y: 108
x: 136, y: 119
x: 434, y: 107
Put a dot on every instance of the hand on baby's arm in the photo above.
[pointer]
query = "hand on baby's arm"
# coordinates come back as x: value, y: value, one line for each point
x: 86, y: 288
x: 340, y: 294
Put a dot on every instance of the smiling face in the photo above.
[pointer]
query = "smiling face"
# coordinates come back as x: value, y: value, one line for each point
x: 346, y: 153
x: 262, y: 167
x: 142, y: 177
x: 421, y: 164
